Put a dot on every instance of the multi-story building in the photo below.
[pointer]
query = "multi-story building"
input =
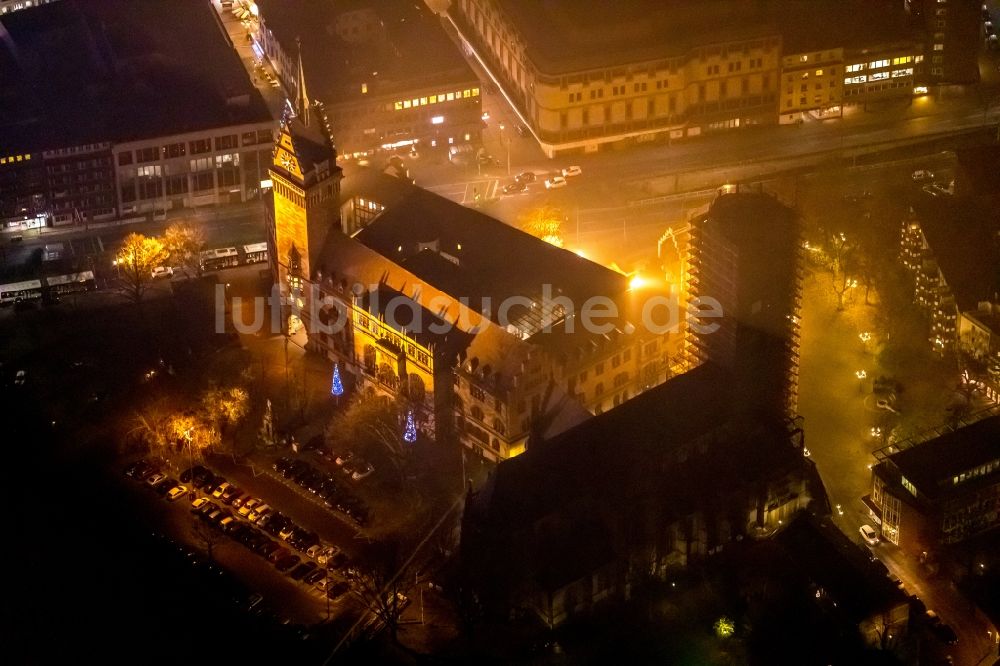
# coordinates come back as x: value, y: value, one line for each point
x: 386, y: 73
x: 953, y: 30
x: 487, y: 347
x: 745, y: 269
x: 940, y: 491
x: 838, y: 54
x: 661, y: 482
x: 8, y: 6
x: 126, y: 125
x: 626, y: 72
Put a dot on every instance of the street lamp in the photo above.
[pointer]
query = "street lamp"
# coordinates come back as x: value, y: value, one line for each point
x: 865, y: 336
x: 507, y: 146
x: 861, y: 374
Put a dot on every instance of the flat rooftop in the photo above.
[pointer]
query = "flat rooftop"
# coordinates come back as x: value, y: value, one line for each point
x: 75, y: 72
x: 388, y: 46
x: 564, y: 36
x: 932, y: 465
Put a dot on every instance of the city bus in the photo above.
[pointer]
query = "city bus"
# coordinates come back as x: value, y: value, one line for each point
x: 71, y: 283
x: 255, y: 253
x: 219, y: 258
x: 16, y: 292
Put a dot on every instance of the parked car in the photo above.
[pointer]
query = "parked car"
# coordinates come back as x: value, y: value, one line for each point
x: 177, y: 492
x: 571, y: 171
x: 344, y: 458
x: 197, y: 503
x: 164, y: 486
x: 259, y: 513
x: 155, y: 479
x: 302, y: 570
x: 245, y: 507
x: 162, y: 272
x: 220, y: 489
x: 337, y: 590
x: 515, y: 188
x: 314, y: 576
x: 869, y: 534
x: 286, y: 563
x: 231, y: 494
x: 363, y: 471
x: 327, y: 554
x: 555, y: 182
x: 921, y: 175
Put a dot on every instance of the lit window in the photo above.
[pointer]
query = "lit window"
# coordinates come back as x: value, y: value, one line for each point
x: 397, y: 105
x: 804, y: 58
x: 437, y: 120
x: 939, y: 47
x: 468, y: 137
x: 423, y: 101
x: 406, y: 103
x: 364, y: 88
x: 819, y: 72
x: 434, y: 99
x: 475, y: 92
x: 451, y: 97
x: 415, y: 102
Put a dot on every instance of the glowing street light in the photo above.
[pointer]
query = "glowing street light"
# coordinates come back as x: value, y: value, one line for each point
x: 865, y: 336
x: 860, y: 374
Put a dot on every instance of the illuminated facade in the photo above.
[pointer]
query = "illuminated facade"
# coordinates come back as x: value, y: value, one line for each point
x: 580, y: 103
x: 934, y: 492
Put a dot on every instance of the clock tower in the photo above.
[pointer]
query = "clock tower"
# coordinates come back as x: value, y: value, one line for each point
x: 305, y: 186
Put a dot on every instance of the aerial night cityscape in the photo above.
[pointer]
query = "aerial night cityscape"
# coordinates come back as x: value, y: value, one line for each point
x: 500, y: 332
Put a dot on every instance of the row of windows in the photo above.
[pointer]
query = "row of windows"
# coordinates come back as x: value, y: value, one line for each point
x: 876, y: 64
x: 10, y: 159
x: 878, y: 76
x: 982, y: 470
x: 196, y: 147
x: 435, y: 99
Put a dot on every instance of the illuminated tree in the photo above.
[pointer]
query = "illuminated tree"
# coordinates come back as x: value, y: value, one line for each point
x: 337, y: 387
x: 184, y: 242
x: 410, y: 431
x: 192, y: 431
x: 545, y: 223
x: 842, y: 264
x: 135, y: 262
x: 226, y: 407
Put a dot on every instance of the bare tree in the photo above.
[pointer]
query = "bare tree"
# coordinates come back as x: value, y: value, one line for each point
x: 135, y: 262
x: 207, y: 536
x: 842, y: 261
x: 545, y: 223
x: 371, y: 423
x: 377, y: 586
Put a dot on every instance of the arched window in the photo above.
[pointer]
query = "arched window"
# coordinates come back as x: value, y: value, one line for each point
x: 476, y: 412
x: 416, y: 390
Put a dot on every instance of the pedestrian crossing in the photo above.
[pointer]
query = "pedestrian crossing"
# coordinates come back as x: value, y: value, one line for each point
x: 471, y: 192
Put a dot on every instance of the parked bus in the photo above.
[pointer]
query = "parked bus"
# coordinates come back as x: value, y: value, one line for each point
x: 71, y: 283
x: 16, y: 292
x: 219, y: 258
x: 255, y: 253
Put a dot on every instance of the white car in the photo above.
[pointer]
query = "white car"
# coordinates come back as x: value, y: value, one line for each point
x: 869, y: 534
x: 921, y: 175
x: 327, y: 554
x: 555, y: 182
x: 247, y: 507
x: 177, y: 492
x: 572, y: 171
x: 162, y: 272
x: 198, y: 502
x: 314, y: 551
x: 363, y: 471
x: 155, y: 479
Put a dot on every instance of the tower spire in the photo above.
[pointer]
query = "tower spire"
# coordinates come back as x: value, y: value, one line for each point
x: 301, y: 96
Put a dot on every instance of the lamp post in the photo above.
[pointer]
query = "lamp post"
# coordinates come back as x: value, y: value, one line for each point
x: 861, y: 375
x: 505, y: 145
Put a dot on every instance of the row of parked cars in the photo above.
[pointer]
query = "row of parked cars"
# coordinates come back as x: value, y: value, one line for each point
x: 326, y: 486
x: 262, y: 530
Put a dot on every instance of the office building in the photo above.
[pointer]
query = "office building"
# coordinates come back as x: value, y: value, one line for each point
x: 135, y: 122
x: 929, y: 493
x: 954, y: 34
x: 387, y: 75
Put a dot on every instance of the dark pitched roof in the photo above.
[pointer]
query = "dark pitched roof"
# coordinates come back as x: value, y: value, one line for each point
x: 410, y: 318
x: 931, y: 465
x: 609, y: 449
x: 486, y: 258
x: 77, y: 72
